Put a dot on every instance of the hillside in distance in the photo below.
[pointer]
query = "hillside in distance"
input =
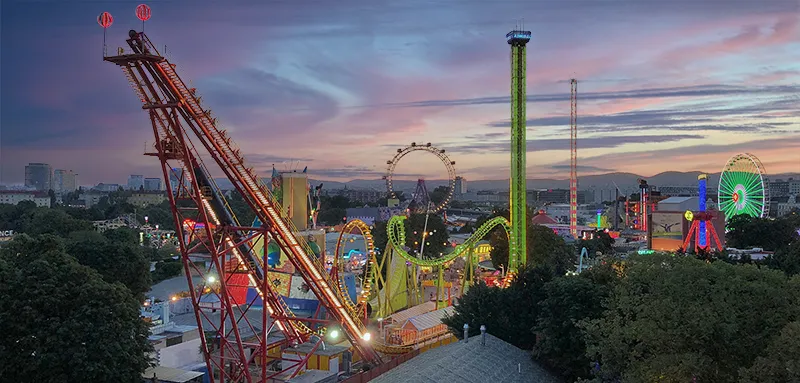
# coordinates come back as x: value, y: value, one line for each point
x: 627, y: 182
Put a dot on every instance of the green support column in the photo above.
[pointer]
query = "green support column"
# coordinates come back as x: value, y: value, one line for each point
x: 517, y: 243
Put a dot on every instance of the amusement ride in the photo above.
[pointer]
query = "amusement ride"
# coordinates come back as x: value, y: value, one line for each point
x: 420, y: 200
x: 243, y: 335
x: 743, y: 187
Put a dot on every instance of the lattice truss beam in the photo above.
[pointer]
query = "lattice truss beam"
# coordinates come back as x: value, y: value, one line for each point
x: 573, y: 158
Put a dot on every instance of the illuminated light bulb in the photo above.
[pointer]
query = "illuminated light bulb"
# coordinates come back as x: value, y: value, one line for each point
x: 367, y: 336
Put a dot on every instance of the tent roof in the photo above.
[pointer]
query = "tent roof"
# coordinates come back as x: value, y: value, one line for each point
x: 542, y: 219
x: 430, y: 319
x: 402, y: 316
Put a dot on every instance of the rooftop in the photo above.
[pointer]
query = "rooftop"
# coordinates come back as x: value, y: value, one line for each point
x: 470, y: 362
x: 676, y: 200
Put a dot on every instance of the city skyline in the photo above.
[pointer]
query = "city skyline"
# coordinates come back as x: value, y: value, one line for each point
x: 340, y: 88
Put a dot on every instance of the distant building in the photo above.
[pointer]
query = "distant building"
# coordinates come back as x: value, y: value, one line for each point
x: 684, y: 191
x: 543, y: 196
x: 144, y: 199
x: 367, y: 214
x: 135, y: 182
x: 460, y: 186
x: 39, y: 176
x: 560, y: 212
x: 175, y: 177
x: 152, y: 184
x: 784, y: 208
x: 358, y: 195
x: 107, y: 187
x: 91, y: 198
x: 64, y: 181
x: 14, y: 197
x: 781, y: 188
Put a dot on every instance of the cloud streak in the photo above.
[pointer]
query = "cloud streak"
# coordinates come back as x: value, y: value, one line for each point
x: 687, y: 91
x: 538, y: 145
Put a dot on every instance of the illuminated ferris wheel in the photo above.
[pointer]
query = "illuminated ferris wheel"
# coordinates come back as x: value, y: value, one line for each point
x: 743, y: 187
x: 439, y: 153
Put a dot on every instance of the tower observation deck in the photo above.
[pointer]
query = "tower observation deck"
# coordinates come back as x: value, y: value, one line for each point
x: 519, y: 224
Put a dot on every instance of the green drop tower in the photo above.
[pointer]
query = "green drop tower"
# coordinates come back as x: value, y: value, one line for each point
x: 517, y: 242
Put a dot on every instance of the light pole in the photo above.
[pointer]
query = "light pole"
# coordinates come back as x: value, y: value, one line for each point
x: 380, y: 328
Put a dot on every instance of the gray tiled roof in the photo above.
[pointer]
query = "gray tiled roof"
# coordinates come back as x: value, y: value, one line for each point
x: 470, y: 362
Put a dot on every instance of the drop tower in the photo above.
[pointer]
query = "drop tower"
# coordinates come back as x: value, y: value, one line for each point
x: 517, y: 242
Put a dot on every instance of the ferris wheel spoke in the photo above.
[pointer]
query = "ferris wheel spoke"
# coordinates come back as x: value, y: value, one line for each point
x: 753, y: 181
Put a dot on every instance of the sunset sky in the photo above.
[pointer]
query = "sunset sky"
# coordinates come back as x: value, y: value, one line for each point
x: 338, y: 86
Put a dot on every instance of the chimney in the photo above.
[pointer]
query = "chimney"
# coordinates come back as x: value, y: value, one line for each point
x: 466, y: 333
x: 483, y: 335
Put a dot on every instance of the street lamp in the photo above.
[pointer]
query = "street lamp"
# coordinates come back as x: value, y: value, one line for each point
x: 334, y: 334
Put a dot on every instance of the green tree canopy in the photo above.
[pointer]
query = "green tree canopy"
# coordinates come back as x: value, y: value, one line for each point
x: 745, y: 231
x: 50, y: 221
x: 509, y: 314
x: 672, y: 319
x: 116, y: 255
x: 786, y: 259
x: 439, y: 194
x: 560, y: 341
x: 780, y: 362
x: 62, y: 323
x: 601, y: 242
x: 435, y: 240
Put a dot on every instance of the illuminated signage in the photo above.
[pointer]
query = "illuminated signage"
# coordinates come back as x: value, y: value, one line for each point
x: 6, y: 235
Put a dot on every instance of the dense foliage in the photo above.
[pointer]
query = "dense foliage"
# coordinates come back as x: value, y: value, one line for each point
x: 770, y: 234
x: 647, y: 318
x: 61, y: 322
x: 115, y: 254
x: 685, y: 319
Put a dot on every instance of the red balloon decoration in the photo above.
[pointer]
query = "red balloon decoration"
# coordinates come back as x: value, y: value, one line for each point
x: 105, y: 19
x: 143, y: 12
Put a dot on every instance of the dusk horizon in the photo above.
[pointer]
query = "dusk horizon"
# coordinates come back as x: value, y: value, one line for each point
x: 339, y: 89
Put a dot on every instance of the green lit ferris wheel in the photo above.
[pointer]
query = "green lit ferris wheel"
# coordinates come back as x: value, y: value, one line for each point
x: 743, y: 187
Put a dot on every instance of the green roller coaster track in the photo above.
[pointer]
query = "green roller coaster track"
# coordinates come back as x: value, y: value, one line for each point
x: 396, y: 234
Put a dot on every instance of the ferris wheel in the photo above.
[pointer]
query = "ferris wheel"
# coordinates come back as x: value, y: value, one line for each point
x: 743, y: 187
x: 439, y: 153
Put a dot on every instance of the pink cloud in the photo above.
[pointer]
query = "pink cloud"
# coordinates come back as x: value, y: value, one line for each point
x: 750, y: 37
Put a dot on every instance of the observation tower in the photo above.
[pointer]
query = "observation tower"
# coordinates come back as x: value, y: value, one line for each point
x: 517, y: 245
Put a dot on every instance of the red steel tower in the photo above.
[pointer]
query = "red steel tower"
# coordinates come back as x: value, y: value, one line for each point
x: 239, y: 342
x: 573, y: 158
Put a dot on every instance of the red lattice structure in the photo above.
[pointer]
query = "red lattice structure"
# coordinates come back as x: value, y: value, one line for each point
x: 695, y: 232
x: 237, y: 340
